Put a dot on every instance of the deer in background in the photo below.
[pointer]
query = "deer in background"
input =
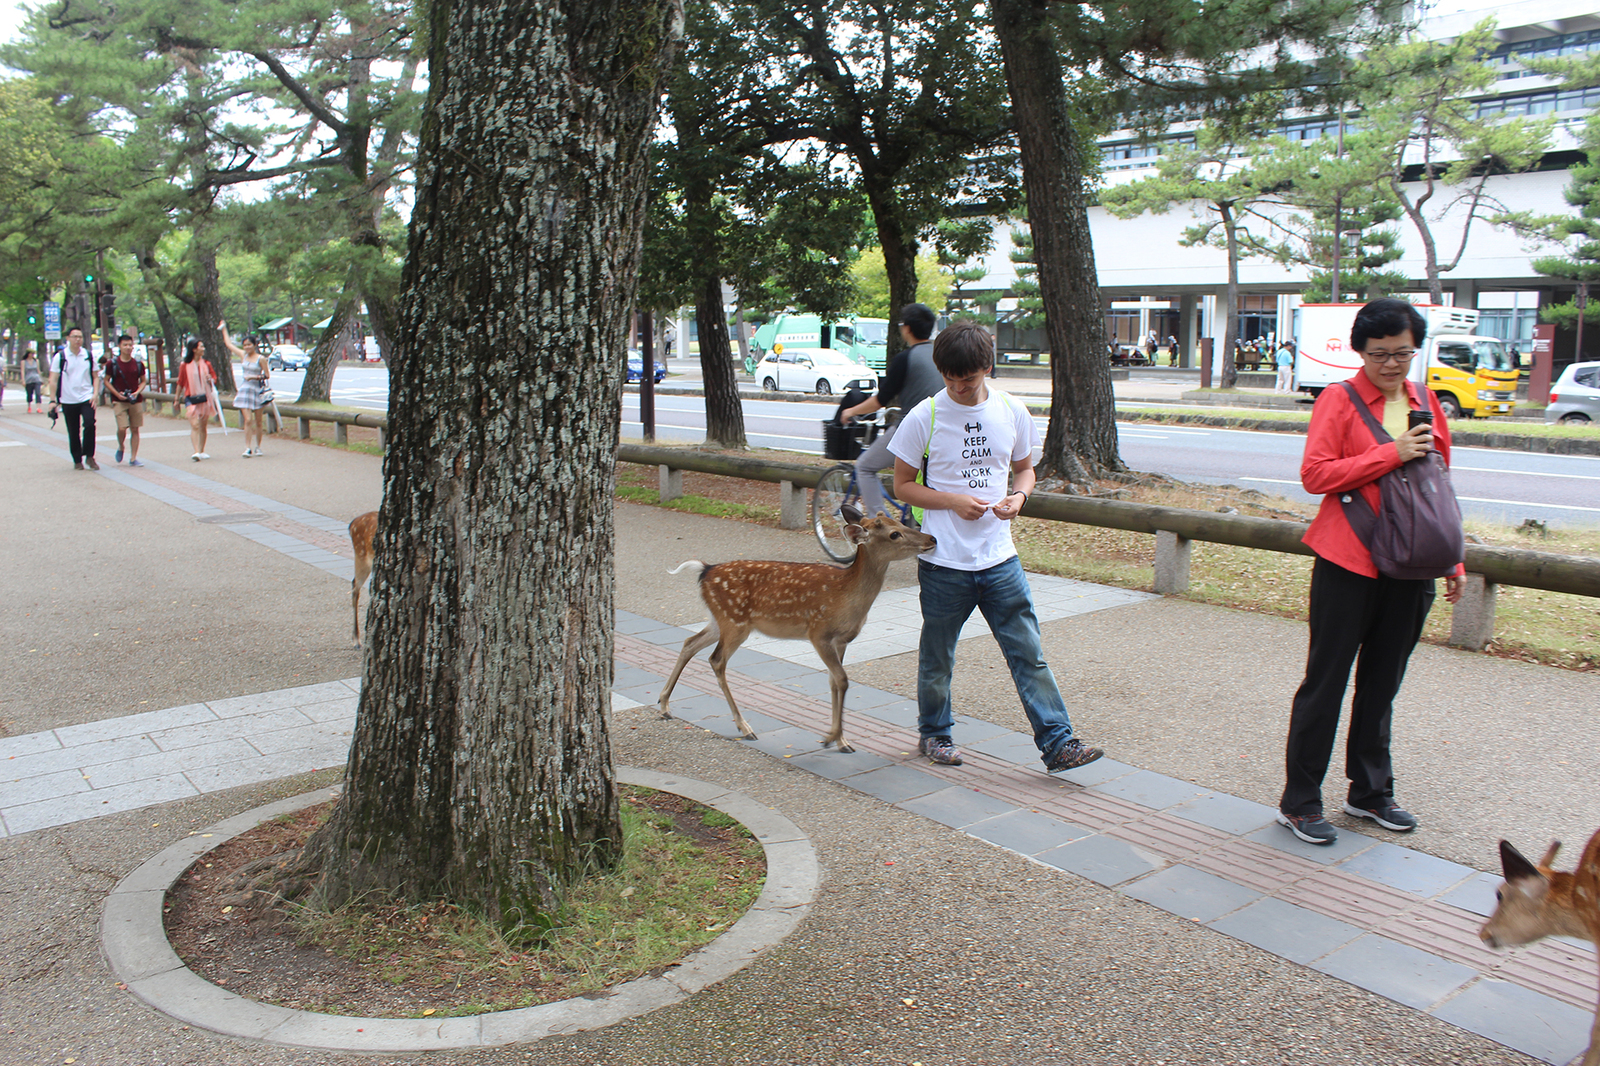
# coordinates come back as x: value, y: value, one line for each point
x: 361, y: 529
x: 1536, y: 902
x: 825, y: 604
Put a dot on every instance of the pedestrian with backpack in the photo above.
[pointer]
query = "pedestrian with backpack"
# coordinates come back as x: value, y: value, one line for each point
x: 126, y: 378
x: 1377, y: 451
x: 72, y: 388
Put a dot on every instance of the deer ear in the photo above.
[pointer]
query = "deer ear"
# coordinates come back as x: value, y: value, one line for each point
x: 1514, y: 865
x: 855, y: 533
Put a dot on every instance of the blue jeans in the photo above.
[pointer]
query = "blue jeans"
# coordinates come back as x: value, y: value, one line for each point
x: 1001, y: 593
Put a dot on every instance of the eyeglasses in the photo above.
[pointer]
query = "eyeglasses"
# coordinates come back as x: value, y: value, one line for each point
x: 1402, y: 356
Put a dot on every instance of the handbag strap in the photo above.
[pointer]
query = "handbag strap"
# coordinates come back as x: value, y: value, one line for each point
x: 1373, y: 424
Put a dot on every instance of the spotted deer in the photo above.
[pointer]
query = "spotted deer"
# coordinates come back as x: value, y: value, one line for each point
x: 825, y: 604
x: 1536, y: 902
x: 361, y: 529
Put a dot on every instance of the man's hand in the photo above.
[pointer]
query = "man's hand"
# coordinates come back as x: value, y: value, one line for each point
x: 969, y: 507
x: 1452, y: 587
x: 1010, y: 507
x: 1414, y: 443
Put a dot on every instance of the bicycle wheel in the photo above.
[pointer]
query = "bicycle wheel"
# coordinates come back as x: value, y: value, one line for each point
x: 835, y: 488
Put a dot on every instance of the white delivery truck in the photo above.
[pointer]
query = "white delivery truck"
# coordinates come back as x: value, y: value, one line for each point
x: 1473, y: 375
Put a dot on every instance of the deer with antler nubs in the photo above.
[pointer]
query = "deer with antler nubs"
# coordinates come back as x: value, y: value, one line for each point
x: 1537, y: 901
x: 825, y: 604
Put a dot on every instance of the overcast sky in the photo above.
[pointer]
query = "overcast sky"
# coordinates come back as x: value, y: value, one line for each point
x: 11, y: 13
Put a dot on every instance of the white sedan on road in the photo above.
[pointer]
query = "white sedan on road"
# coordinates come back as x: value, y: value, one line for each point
x: 818, y: 370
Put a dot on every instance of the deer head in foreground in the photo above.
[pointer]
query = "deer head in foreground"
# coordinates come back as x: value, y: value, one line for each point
x: 825, y: 604
x: 361, y: 529
x: 1537, y: 901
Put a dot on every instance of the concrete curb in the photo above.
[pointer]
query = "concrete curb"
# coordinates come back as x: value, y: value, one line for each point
x: 134, y: 941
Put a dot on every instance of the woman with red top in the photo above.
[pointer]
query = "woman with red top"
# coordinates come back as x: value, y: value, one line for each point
x: 1357, y: 615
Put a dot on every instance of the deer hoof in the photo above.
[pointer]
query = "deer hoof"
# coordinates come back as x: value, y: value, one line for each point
x: 747, y: 734
x: 665, y: 713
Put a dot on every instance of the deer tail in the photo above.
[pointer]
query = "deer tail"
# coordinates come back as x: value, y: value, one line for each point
x: 685, y: 565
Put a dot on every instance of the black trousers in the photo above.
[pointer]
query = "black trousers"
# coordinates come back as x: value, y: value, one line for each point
x: 80, y: 429
x: 1373, y: 623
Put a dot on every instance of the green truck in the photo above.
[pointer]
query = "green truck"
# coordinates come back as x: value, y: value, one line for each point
x: 861, y: 340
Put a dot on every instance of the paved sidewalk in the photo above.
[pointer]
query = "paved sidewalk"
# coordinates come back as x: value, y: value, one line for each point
x: 1151, y: 875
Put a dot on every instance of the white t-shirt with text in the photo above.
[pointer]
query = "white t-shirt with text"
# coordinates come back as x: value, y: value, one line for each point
x: 971, y: 452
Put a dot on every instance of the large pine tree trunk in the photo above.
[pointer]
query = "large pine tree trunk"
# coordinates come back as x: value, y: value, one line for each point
x: 1081, y: 441
x: 481, y: 768
x: 899, y: 256
x: 316, y: 384
x: 208, y: 312
x: 724, y: 410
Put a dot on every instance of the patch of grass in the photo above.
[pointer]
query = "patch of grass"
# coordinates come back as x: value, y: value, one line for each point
x: 1553, y: 628
x: 678, y: 887
x: 1546, y: 627
x: 698, y: 505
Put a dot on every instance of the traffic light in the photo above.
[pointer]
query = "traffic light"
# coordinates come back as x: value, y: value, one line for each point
x: 88, y: 279
x: 33, y: 317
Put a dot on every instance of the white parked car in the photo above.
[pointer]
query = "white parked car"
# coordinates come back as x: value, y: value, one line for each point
x: 1575, y: 397
x: 817, y: 370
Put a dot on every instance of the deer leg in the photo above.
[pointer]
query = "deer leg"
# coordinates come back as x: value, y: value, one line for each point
x: 1592, y: 1056
x: 355, y: 611
x: 719, y: 662
x: 832, y: 657
x: 691, y: 647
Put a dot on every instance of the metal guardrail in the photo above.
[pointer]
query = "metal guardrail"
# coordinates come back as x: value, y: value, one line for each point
x: 1174, y: 527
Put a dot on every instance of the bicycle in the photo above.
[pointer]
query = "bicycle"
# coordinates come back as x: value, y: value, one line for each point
x: 838, y: 488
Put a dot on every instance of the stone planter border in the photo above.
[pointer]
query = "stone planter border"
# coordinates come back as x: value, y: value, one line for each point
x: 133, y: 938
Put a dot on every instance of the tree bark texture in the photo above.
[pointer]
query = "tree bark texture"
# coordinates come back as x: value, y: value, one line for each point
x: 208, y: 312
x: 724, y: 410
x: 316, y: 384
x: 1081, y: 441
x: 480, y: 769
x: 899, y: 255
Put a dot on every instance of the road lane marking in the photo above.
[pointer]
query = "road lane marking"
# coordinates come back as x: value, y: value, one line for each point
x: 1529, y: 503
x: 1524, y: 473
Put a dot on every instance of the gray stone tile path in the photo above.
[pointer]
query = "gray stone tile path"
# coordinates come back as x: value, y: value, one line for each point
x: 1394, y: 921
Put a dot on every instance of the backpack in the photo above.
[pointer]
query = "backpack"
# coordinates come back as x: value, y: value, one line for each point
x: 1418, y: 534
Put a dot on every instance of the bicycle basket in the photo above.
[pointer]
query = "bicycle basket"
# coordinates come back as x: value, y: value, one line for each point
x: 841, y: 442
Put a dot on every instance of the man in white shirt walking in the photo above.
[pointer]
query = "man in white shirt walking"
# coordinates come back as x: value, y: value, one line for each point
x: 965, y: 454
x: 72, y: 381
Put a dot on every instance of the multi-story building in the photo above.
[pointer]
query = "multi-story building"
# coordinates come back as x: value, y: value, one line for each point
x: 1152, y: 283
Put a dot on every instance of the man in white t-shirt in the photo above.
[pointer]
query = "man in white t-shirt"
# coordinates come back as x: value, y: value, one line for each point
x: 72, y: 380
x: 973, y: 447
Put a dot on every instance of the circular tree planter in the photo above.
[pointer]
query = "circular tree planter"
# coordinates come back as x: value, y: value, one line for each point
x: 133, y: 937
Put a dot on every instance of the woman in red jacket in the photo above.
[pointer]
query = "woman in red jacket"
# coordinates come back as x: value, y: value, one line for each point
x: 1358, y: 616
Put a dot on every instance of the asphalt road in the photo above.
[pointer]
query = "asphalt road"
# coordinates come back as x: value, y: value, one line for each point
x: 1502, y: 487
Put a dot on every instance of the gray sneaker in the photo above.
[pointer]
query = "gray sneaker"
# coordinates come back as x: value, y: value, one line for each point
x: 940, y: 750
x: 1071, y: 755
x: 1312, y: 828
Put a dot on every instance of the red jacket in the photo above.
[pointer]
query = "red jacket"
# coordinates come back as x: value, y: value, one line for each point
x: 1341, y: 454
